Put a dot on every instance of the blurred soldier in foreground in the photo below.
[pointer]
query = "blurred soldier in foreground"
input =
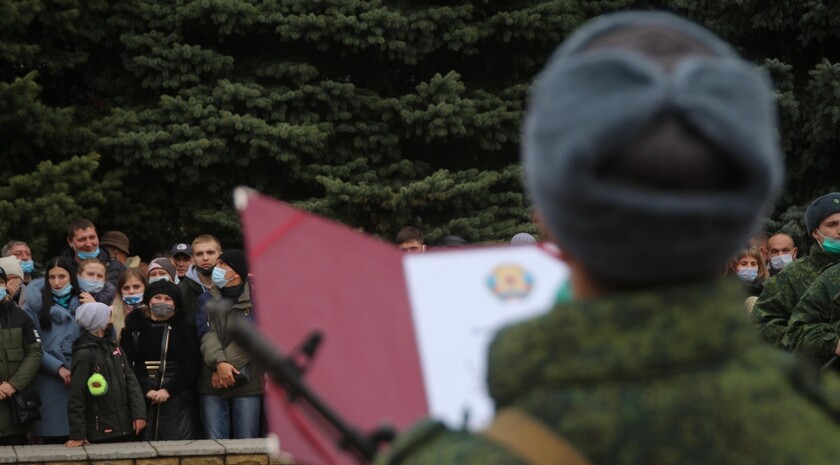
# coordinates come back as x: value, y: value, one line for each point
x: 650, y: 151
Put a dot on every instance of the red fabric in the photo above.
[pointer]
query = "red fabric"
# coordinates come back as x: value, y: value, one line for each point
x: 311, y: 273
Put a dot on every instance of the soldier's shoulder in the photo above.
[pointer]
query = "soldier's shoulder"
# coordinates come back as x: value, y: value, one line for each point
x: 431, y: 442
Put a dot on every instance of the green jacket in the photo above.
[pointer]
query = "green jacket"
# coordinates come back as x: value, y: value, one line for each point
x: 20, y: 358
x: 813, y: 330
x: 110, y: 415
x: 782, y: 292
x: 674, y: 375
x: 218, y: 346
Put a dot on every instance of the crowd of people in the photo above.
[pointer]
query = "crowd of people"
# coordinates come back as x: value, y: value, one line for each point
x: 118, y: 349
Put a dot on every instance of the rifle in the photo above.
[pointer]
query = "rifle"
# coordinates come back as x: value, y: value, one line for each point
x: 287, y: 373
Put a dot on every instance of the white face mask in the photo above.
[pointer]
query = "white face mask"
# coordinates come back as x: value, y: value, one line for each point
x: 780, y: 261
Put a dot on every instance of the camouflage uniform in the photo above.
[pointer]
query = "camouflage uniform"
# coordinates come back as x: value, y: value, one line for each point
x: 663, y: 376
x: 813, y: 324
x: 782, y: 292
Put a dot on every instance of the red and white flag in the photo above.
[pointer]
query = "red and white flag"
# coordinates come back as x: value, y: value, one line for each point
x: 404, y: 336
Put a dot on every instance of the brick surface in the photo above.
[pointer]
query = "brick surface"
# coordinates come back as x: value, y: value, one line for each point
x: 247, y: 459
x: 66, y: 463
x: 50, y: 453
x: 187, y: 448
x: 112, y: 462
x: 120, y: 450
x: 158, y: 461
x: 205, y: 460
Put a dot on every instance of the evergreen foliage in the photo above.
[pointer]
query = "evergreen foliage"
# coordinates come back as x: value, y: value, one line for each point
x: 377, y: 113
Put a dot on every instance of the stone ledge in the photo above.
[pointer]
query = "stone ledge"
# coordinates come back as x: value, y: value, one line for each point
x: 206, y: 451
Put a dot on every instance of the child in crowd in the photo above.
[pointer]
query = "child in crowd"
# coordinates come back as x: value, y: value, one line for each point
x: 92, y: 275
x: 106, y: 403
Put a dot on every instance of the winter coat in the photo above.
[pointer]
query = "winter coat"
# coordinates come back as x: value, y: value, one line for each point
x: 20, y: 358
x: 142, y: 342
x: 113, y: 268
x: 110, y: 415
x: 782, y: 292
x: 57, y: 343
x: 191, y: 289
x: 670, y: 375
x: 217, y: 345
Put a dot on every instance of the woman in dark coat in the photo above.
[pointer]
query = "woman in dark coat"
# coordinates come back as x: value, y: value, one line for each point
x: 162, y: 348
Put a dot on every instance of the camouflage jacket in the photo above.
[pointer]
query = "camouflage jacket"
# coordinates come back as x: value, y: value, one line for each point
x: 813, y: 328
x: 669, y: 375
x: 782, y: 292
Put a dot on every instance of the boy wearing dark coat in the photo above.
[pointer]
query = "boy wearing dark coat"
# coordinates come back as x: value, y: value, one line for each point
x: 106, y: 404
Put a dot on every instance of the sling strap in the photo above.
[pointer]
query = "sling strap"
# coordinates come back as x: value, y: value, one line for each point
x: 531, y: 440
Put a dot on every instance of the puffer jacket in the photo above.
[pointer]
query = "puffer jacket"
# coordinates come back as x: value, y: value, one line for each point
x: 109, y: 415
x: 20, y: 357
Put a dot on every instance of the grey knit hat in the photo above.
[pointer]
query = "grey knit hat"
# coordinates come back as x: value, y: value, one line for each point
x: 93, y: 316
x: 590, y: 105
x: 523, y: 238
x: 820, y: 209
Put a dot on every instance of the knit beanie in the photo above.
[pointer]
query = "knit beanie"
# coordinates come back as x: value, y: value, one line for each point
x: 166, y: 288
x: 237, y: 260
x: 11, y: 265
x: 820, y: 209
x: 93, y: 316
x: 523, y: 238
x: 590, y: 106
x: 162, y: 263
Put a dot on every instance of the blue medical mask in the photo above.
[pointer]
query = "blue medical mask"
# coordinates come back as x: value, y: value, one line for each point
x: 63, y: 292
x: 28, y: 266
x: 2, y: 293
x: 86, y: 255
x: 748, y: 274
x: 780, y: 261
x: 90, y: 285
x: 218, y: 277
x: 159, y: 278
x: 133, y: 300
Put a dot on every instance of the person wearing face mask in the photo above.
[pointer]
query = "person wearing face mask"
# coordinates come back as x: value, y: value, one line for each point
x: 83, y: 243
x: 15, y: 279
x: 92, y: 283
x: 198, y: 280
x: 161, y: 346
x: 781, y: 294
x: 21, y: 250
x: 782, y: 252
x: 161, y: 269
x: 51, y: 303
x: 129, y: 297
x: 230, y: 383
x: 750, y: 269
x: 21, y: 353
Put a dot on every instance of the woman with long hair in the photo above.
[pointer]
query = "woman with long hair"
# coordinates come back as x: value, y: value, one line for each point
x: 129, y: 297
x: 51, y: 302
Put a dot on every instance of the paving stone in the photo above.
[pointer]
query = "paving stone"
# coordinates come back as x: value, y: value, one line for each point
x: 67, y: 463
x: 7, y: 454
x: 187, y: 448
x: 120, y: 450
x: 50, y: 453
x: 113, y: 462
x: 245, y: 446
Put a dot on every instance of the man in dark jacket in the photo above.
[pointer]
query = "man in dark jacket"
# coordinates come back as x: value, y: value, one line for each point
x: 198, y: 280
x: 84, y: 243
x: 230, y: 382
x: 20, y: 358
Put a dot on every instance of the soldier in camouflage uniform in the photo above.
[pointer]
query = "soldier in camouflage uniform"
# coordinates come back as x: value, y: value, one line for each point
x: 813, y: 329
x: 773, y: 309
x: 650, y: 151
